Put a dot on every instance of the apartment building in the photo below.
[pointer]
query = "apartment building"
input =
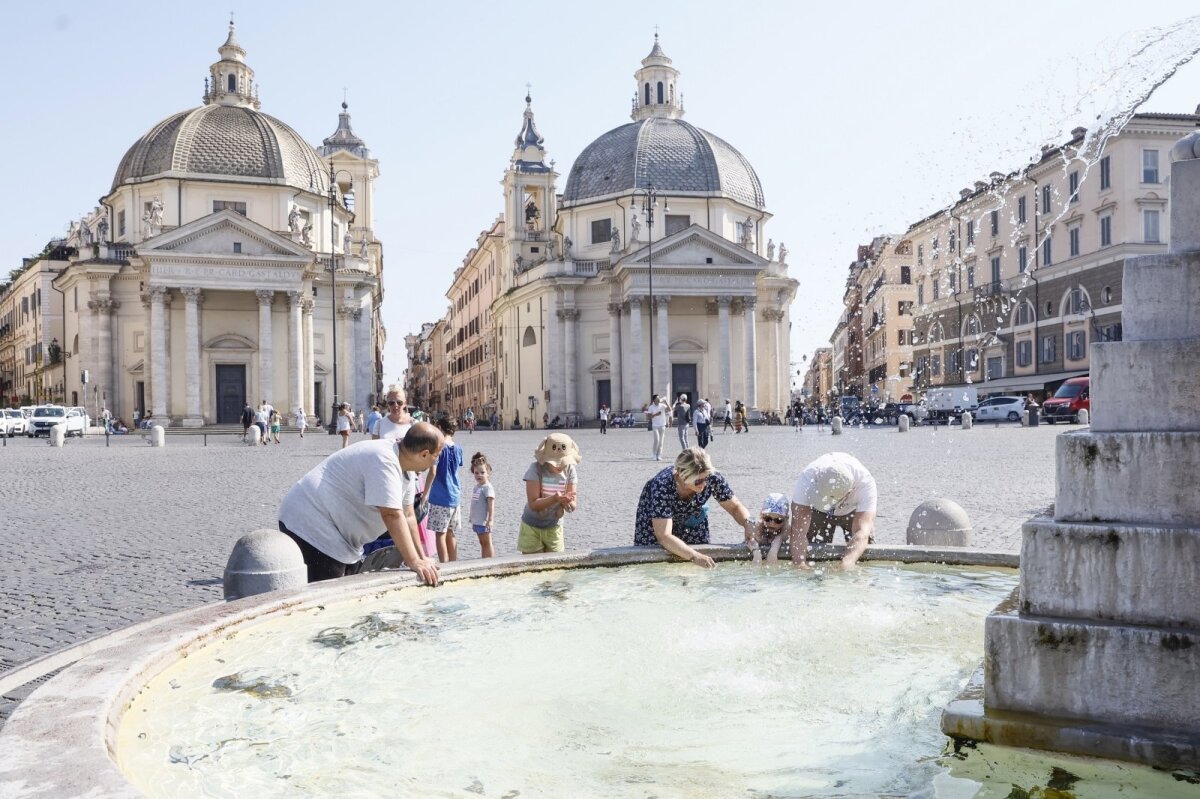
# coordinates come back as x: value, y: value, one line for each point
x: 888, y: 298
x: 471, y: 337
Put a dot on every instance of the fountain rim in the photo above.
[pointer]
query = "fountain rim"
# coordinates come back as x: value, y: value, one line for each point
x: 61, y: 740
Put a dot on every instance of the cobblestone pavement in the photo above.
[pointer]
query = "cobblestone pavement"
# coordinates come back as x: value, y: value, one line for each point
x: 98, y: 538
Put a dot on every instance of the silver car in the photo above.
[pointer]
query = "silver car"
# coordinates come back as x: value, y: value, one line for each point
x: 999, y: 409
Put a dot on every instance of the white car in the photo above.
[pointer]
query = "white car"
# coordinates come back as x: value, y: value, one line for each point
x: 997, y: 409
x: 46, y: 416
x: 13, y: 422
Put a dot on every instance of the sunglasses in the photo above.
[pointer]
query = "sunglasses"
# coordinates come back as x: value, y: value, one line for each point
x: 394, y: 403
x: 699, y: 481
x: 770, y: 519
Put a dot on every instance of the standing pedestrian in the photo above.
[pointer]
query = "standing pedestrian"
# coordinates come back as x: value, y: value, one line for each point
x: 344, y: 423
x: 276, y: 422
x: 373, y: 419
x: 682, y: 412
x: 495, y: 421
x: 551, y: 489
x: 603, y: 420
x: 445, y: 491
x: 703, y: 422
x: 261, y: 419
x: 656, y: 414
x: 398, y: 420
x: 728, y: 416
x: 301, y: 421
x: 483, y: 503
x: 247, y: 419
x: 469, y: 420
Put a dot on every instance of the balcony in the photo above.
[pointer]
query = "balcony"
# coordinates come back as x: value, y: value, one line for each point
x: 986, y: 290
x: 534, y: 235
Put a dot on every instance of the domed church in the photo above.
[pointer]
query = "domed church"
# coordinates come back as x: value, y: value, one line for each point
x: 206, y: 281
x: 651, y: 273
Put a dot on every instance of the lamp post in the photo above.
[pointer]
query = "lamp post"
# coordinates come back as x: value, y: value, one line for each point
x: 333, y: 299
x: 532, y: 405
x: 649, y: 204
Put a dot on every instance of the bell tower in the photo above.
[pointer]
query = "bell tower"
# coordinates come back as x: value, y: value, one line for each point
x: 657, y: 92
x: 530, y: 197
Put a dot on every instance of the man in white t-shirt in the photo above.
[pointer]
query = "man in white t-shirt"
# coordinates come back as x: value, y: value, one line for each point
x: 339, y: 506
x: 657, y: 412
x: 833, y: 491
x: 397, y: 421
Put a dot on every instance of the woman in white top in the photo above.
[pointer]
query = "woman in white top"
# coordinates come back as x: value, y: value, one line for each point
x: 301, y: 421
x: 344, y: 423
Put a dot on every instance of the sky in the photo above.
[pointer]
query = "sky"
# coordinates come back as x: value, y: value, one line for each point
x: 859, y: 118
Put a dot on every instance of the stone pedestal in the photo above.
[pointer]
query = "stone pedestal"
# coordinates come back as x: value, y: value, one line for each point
x: 1100, y: 652
x: 262, y: 561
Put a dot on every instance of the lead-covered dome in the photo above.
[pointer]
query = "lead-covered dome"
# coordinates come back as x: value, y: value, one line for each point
x: 669, y: 154
x: 226, y: 141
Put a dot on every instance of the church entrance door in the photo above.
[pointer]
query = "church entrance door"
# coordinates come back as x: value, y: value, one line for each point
x: 603, y: 394
x: 683, y: 380
x: 231, y: 392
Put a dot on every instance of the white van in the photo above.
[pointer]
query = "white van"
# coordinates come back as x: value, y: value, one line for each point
x: 944, y: 404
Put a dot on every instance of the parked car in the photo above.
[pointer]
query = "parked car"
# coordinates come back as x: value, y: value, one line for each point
x: 44, y: 417
x: 996, y: 409
x: 1072, y: 397
x: 13, y: 422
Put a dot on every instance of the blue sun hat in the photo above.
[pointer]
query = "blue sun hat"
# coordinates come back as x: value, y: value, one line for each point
x: 777, y: 504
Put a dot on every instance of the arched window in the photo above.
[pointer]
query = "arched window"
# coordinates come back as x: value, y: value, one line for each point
x: 1025, y: 313
x: 971, y: 326
x: 529, y: 339
x: 935, y: 333
x: 232, y: 83
x: 660, y: 92
x: 647, y: 94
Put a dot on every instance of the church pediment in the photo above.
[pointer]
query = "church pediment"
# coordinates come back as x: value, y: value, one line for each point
x: 229, y: 341
x: 693, y: 247
x: 225, y: 234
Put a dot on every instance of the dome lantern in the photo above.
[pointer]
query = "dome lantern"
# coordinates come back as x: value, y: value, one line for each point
x: 658, y: 87
x: 231, y: 80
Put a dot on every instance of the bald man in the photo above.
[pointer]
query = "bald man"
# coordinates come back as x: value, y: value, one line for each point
x: 833, y: 491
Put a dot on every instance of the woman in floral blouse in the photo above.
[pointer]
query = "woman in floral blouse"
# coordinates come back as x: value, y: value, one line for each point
x: 672, y: 510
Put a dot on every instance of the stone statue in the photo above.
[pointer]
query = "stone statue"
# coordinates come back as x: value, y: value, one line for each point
x: 294, y: 221
x: 85, y: 234
x: 363, y: 248
x: 551, y: 246
x: 770, y: 249
x: 782, y: 254
x: 347, y: 242
x: 154, y: 215
x: 532, y: 214
x: 616, y: 240
x: 520, y: 262
x: 748, y: 234
x: 102, y: 229
x: 567, y: 244
x: 635, y: 225
x: 306, y: 235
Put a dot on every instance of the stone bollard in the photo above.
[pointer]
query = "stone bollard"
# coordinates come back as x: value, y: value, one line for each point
x: 254, y: 435
x: 1083, y: 417
x: 939, y: 523
x: 835, y: 426
x: 58, y: 435
x: 902, y: 423
x: 262, y: 561
x: 1025, y: 418
x: 158, y: 436
x: 967, y: 421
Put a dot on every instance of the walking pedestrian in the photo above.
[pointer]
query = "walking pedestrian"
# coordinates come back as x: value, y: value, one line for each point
x: 656, y: 413
x: 728, y: 416
x: 703, y: 422
x: 682, y: 411
x: 276, y: 422
x: 603, y: 420
x: 301, y: 421
x: 344, y: 423
x: 247, y: 419
x: 469, y: 420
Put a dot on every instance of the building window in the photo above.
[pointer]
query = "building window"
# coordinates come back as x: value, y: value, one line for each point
x: 1022, y: 258
x: 1105, y: 173
x: 953, y: 241
x: 236, y: 207
x: 1149, y: 166
x: 920, y: 254
x: 921, y: 293
x: 900, y: 337
x: 1049, y: 348
x: 995, y: 223
x: 1073, y: 184
x: 953, y: 281
x: 995, y: 269
x: 1024, y: 314
x: 1073, y: 238
x: 935, y: 365
x: 120, y: 223
x: 647, y: 102
x: 1075, y: 345
x: 1046, y: 199
x: 905, y: 275
x: 971, y: 276
x: 1106, y: 231
x: 904, y: 308
x: 660, y: 93
x: 237, y: 247
x: 1111, y: 332
x: 231, y: 83
x: 677, y: 222
x: 995, y: 368
x: 1046, y: 251
x: 937, y: 289
x: 1020, y: 210
x: 970, y: 232
x: 953, y: 362
x: 602, y: 230
x: 529, y: 339
x: 1024, y: 353
x: 1075, y: 302
x: 1108, y: 295
x: 1150, y: 226
x: 936, y: 248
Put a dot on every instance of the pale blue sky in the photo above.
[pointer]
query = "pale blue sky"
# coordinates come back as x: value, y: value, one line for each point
x: 859, y: 118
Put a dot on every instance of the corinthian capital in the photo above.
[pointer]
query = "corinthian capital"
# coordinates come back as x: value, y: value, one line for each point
x: 265, y: 297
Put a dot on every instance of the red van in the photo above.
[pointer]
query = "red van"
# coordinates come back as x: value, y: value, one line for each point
x: 1072, y: 397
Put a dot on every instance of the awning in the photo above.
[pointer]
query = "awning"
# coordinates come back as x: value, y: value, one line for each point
x: 1020, y: 383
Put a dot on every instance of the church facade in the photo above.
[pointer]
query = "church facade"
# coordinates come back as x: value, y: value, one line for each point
x: 650, y: 272
x: 204, y: 281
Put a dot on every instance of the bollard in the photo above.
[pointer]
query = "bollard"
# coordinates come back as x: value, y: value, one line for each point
x: 939, y: 523
x: 261, y: 561
x: 835, y: 426
x: 1083, y: 417
x: 902, y: 423
x: 58, y: 435
x: 158, y: 436
x: 967, y: 420
x: 1025, y: 418
x: 254, y: 436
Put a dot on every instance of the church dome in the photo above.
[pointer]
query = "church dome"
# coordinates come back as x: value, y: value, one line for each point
x: 669, y: 154
x: 226, y: 137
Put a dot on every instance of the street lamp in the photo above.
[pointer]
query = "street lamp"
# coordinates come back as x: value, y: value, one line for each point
x: 650, y: 203
x: 532, y: 405
x: 333, y: 284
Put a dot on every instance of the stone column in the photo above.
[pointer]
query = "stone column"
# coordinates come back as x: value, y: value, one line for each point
x: 309, y: 368
x: 266, y: 367
x: 295, y: 352
x: 102, y: 378
x: 724, y: 346
x: 570, y: 321
x: 614, y: 356
x: 552, y: 339
x: 662, y: 357
x: 751, y: 364
x: 343, y: 390
x: 637, y: 377
x: 783, y: 357
x: 192, y: 297
x: 159, y: 297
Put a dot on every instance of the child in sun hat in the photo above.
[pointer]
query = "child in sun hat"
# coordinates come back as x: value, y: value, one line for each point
x: 772, y: 524
x: 551, y: 489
